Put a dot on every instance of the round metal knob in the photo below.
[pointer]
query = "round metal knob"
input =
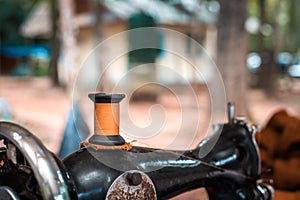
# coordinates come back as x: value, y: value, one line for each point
x: 134, y: 178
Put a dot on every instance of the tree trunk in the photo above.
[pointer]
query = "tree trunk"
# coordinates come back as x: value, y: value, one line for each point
x: 232, y: 51
x: 69, y: 43
x: 292, y: 38
x: 276, y: 40
x: 294, y: 28
x: 266, y: 74
x: 97, y: 37
x: 54, y: 43
x: 262, y: 16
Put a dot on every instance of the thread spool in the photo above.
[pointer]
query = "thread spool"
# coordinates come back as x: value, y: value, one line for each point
x: 106, y: 119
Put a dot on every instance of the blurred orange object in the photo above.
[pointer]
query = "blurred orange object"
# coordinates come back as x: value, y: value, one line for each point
x: 279, y: 144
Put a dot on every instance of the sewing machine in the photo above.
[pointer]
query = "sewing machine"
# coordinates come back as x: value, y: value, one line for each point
x: 107, y: 167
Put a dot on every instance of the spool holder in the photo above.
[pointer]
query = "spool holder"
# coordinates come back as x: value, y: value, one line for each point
x: 106, y: 119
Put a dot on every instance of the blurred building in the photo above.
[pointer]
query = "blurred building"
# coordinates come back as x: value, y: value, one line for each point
x: 94, y: 22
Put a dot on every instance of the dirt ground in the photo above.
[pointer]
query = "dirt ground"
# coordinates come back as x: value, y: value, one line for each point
x: 38, y: 106
x: 43, y: 109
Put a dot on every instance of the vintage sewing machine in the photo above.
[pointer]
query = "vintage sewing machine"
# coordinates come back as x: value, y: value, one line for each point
x: 106, y: 167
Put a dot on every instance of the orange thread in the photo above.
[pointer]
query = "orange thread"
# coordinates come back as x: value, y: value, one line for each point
x: 106, y: 119
x: 126, y: 147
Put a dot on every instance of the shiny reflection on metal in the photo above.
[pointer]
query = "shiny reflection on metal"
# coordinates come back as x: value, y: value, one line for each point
x: 231, y: 112
x: 256, y: 147
x: 132, y: 184
x: 171, y: 163
x: 46, y: 171
x: 266, y: 191
x: 6, y: 193
x: 225, y: 161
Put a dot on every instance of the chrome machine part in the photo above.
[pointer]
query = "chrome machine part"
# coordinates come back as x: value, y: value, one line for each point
x: 266, y: 191
x: 46, y: 171
x: 231, y: 112
x: 6, y: 193
x: 132, y: 184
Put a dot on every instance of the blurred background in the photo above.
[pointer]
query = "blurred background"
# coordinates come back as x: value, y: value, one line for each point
x: 45, y: 43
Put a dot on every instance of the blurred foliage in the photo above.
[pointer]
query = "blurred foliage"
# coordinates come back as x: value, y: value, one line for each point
x: 282, y: 16
x: 12, y: 14
x: 39, y: 67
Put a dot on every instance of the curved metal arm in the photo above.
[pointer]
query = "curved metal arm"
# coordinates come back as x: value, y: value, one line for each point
x: 47, y: 173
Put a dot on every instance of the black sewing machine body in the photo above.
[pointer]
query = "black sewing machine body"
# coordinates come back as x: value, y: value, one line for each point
x: 175, y: 172
x: 230, y: 170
